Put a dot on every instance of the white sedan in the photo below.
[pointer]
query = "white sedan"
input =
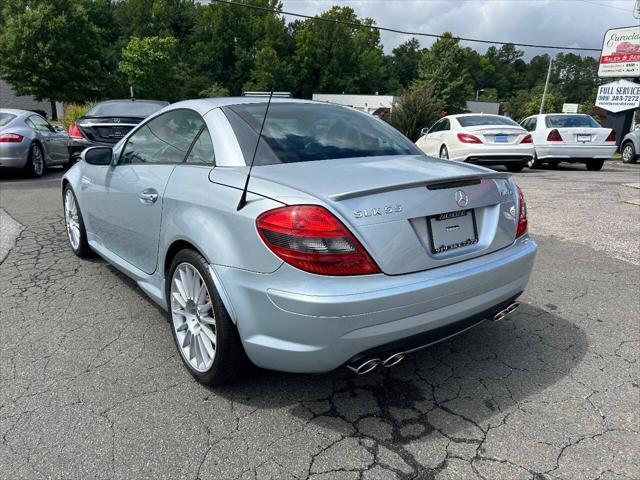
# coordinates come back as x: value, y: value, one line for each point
x: 570, y: 137
x: 479, y: 138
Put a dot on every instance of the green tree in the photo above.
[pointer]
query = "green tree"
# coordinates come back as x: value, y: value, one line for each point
x: 269, y: 72
x: 417, y: 109
x: 226, y: 42
x: 443, y: 68
x: 527, y: 102
x: 152, y: 67
x: 215, y: 90
x: 405, y: 61
x: 334, y: 58
x: 50, y: 49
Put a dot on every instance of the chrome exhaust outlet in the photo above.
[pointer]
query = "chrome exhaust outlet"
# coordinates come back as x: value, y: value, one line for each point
x: 502, y: 314
x: 365, y: 367
x: 393, y: 360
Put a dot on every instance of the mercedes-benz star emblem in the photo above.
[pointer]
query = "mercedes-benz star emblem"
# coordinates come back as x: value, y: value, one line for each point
x: 461, y: 198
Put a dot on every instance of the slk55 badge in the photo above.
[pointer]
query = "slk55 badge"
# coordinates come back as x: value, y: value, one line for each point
x: 377, y: 211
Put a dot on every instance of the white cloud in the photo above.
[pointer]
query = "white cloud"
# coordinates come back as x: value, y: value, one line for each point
x: 571, y: 23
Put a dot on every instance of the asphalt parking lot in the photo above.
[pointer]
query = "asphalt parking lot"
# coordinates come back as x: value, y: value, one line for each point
x: 91, y: 385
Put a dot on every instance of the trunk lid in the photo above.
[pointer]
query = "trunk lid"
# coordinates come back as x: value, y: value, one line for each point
x: 583, y: 135
x: 498, y: 135
x: 106, y: 129
x: 387, y: 203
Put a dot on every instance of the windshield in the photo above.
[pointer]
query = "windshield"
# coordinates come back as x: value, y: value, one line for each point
x: 5, y: 118
x: 303, y: 132
x: 480, y: 120
x: 138, y: 108
x: 569, y: 121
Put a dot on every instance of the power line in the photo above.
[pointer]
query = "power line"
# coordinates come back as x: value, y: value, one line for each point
x: 394, y: 30
x: 607, y: 6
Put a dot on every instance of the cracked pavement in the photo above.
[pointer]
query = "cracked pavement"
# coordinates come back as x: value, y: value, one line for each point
x: 91, y: 385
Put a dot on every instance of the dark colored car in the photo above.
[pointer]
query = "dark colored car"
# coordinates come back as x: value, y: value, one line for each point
x: 107, y: 122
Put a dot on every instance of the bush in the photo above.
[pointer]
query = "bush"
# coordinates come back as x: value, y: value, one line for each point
x: 73, y: 111
x: 416, y: 110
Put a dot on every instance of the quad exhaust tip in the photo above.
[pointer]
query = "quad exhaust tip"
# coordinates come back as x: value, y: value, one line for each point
x: 502, y: 314
x: 370, y: 364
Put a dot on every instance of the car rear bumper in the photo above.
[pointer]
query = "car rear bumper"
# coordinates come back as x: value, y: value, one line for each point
x: 293, y: 321
x: 577, y: 152
x: 502, y: 154
x: 14, y: 155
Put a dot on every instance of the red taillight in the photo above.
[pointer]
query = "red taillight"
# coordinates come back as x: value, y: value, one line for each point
x: 554, y: 136
x: 522, y: 214
x: 10, y: 138
x: 74, y: 131
x: 310, y: 238
x: 468, y: 138
x: 611, y: 137
x: 527, y: 139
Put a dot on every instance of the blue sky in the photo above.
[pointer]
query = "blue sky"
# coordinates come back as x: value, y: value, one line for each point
x: 579, y: 23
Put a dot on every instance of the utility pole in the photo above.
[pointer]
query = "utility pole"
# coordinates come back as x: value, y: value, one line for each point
x: 546, y: 86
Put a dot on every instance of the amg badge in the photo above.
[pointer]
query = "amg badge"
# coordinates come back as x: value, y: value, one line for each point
x: 377, y: 211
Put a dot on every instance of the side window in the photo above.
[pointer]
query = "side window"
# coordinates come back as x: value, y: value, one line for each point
x: 436, y: 127
x: 165, y: 139
x: 532, y: 124
x: 40, y: 124
x: 525, y: 124
x: 202, y: 152
x: 446, y: 125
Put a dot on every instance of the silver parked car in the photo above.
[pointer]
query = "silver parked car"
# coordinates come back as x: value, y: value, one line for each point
x: 630, y: 146
x: 353, y: 247
x: 29, y: 142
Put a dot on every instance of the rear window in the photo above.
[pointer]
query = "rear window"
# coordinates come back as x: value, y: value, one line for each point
x: 569, y: 121
x: 5, y: 118
x: 125, y: 109
x: 481, y: 120
x: 303, y: 132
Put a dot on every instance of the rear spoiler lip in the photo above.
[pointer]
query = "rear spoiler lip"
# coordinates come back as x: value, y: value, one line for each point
x: 337, y: 197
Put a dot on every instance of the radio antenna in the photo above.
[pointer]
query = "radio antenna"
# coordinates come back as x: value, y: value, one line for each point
x: 243, y: 197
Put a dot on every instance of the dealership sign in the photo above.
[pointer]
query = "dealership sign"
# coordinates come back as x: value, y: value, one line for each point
x: 618, y: 96
x: 620, y: 56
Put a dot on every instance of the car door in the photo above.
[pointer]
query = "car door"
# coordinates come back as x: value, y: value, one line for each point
x: 126, y: 198
x: 55, y: 143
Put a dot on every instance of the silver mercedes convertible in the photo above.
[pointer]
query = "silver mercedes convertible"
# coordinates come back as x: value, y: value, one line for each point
x: 343, y: 245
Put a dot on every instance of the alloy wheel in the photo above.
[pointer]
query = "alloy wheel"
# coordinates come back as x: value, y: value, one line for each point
x: 37, y: 160
x: 444, y: 153
x: 627, y: 154
x: 193, y: 318
x: 72, y: 219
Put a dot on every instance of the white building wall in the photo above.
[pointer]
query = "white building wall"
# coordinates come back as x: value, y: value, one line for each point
x: 366, y: 103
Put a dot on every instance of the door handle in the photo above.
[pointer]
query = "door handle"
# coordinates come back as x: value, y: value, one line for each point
x: 148, y: 196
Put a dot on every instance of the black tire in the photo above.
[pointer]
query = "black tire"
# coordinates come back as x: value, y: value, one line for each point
x: 515, y: 167
x: 444, y: 152
x: 35, y: 168
x: 83, y: 249
x: 553, y: 164
x: 628, y: 152
x: 595, y: 165
x: 229, y: 361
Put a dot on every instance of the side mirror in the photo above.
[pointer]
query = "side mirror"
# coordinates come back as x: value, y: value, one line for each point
x: 424, y: 131
x: 97, y: 155
x: 59, y: 128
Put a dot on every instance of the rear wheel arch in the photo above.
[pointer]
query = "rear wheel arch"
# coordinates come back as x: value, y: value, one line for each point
x: 179, y: 245
x: 173, y: 250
